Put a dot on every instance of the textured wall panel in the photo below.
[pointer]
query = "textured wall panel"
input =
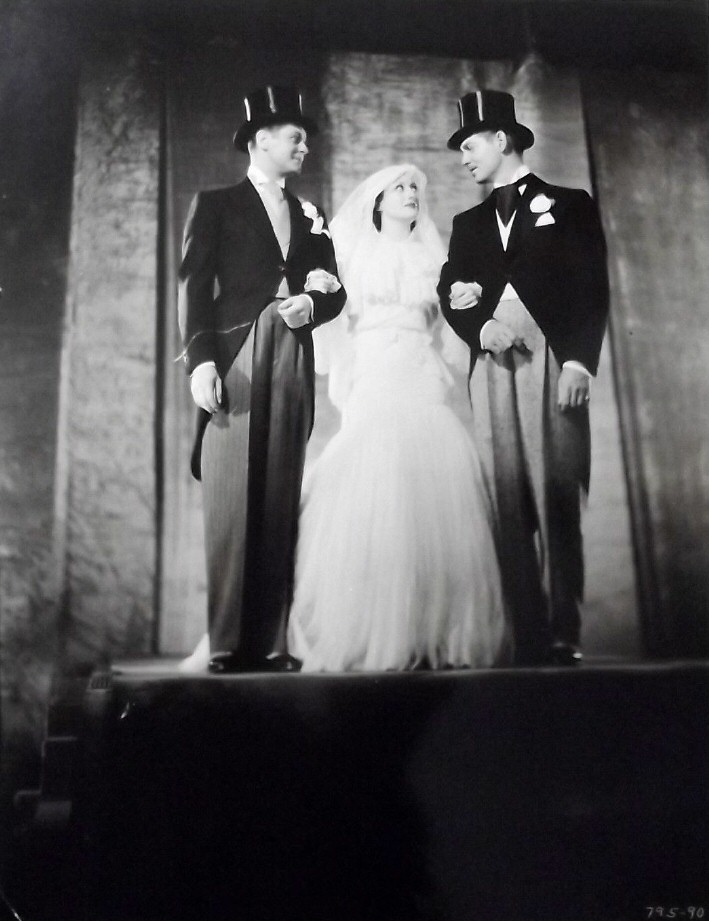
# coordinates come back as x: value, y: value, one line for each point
x: 38, y: 75
x: 108, y: 377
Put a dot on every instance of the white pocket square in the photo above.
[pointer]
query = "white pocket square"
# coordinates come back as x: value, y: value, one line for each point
x: 544, y: 219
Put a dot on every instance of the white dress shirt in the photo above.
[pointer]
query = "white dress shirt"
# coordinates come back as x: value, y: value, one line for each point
x: 265, y: 187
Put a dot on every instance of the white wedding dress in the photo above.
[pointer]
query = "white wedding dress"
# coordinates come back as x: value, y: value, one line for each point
x: 395, y: 564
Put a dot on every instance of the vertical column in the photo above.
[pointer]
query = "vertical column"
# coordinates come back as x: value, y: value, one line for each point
x: 107, y: 498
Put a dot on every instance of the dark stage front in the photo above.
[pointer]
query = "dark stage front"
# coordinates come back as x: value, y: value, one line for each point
x: 515, y: 794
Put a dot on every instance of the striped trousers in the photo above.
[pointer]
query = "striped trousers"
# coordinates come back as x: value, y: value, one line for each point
x: 253, y: 454
x: 535, y: 458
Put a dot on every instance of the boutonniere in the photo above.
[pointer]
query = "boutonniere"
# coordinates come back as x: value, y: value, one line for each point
x: 312, y: 214
x: 541, y: 204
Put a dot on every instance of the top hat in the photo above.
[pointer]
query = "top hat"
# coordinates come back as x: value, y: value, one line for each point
x: 271, y: 105
x: 489, y: 110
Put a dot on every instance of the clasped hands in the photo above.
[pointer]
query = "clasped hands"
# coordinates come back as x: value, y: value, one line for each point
x: 574, y: 385
x: 496, y: 337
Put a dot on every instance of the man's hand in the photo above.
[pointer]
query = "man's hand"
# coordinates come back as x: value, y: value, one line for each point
x: 465, y: 294
x: 296, y: 311
x: 206, y: 387
x: 574, y: 388
x: 496, y: 337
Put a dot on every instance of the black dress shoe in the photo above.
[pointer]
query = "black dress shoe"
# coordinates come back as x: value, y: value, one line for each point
x: 233, y: 663
x: 283, y: 662
x: 565, y: 654
x: 225, y: 663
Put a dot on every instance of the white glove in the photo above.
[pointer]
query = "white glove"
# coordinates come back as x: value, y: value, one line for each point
x: 206, y: 387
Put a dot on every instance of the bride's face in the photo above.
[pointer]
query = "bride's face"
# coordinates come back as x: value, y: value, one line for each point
x: 400, y: 199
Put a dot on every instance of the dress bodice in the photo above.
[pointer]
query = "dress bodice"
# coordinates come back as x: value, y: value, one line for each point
x: 385, y: 332
x: 394, y: 288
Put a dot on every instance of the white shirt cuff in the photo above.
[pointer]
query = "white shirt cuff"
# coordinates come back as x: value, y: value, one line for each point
x: 577, y: 366
x: 482, y: 330
x: 203, y: 364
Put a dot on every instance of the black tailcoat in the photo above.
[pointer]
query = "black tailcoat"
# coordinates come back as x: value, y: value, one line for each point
x: 557, y: 269
x: 231, y: 269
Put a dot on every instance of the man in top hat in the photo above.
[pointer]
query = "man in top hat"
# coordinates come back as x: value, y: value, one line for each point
x: 526, y: 287
x: 258, y: 273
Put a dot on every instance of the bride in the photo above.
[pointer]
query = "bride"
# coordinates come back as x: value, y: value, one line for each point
x: 396, y: 567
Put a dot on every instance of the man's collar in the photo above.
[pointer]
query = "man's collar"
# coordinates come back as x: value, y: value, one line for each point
x: 519, y: 173
x: 258, y: 177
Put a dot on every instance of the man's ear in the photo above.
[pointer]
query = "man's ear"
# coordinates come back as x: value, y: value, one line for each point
x: 261, y: 139
x: 504, y: 142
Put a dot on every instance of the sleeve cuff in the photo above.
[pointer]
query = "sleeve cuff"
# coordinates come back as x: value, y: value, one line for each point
x: 576, y: 366
x: 311, y: 316
x: 482, y: 330
x: 203, y: 364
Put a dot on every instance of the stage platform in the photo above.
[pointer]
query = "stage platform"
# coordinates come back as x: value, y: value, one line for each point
x: 501, y: 795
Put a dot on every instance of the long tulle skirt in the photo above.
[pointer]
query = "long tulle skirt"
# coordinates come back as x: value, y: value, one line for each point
x: 396, y: 564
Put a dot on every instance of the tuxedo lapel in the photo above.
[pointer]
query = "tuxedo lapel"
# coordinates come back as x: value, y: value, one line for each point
x: 254, y: 210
